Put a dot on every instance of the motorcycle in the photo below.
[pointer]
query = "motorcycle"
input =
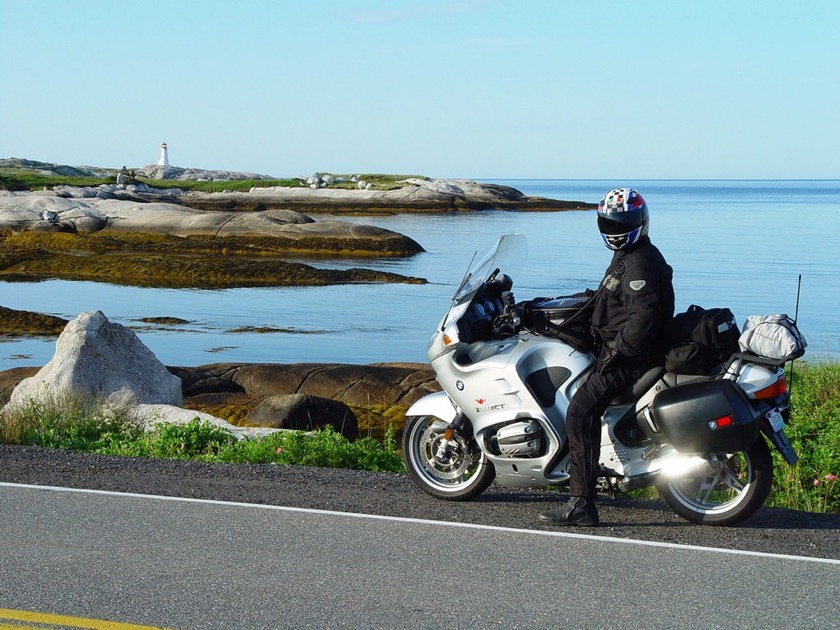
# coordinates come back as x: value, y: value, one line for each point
x: 506, y: 386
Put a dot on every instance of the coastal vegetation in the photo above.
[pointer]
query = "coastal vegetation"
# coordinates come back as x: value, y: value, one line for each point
x: 811, y: 485
x: 85, y: 426
x: 30, y: 179
x: 159, y: 260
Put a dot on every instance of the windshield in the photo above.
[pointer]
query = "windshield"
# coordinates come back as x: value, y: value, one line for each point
x: 508, y: 256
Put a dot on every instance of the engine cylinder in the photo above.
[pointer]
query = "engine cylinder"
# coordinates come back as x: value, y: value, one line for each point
x: 520, y: 439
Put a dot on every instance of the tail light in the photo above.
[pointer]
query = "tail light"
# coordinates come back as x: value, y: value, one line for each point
x: 779, y: 388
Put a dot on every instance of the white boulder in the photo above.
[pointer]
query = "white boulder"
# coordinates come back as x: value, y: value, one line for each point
x: 151, y: 415
x: 97, y: 358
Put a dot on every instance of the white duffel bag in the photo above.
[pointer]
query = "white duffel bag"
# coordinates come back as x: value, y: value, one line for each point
x: 772, y: 336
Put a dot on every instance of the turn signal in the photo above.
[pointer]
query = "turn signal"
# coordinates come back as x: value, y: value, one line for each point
x: 779, y: 388
x: 446, y: 339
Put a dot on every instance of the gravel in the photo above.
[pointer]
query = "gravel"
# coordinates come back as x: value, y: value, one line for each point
x: 770, y: 530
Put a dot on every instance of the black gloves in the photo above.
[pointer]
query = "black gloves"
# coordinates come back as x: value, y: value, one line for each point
x: 608, y: 356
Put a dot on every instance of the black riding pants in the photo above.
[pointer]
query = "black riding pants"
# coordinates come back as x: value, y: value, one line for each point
x: 583, y: 423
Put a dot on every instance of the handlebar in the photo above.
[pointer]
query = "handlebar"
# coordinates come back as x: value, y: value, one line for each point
x: 509, y: 321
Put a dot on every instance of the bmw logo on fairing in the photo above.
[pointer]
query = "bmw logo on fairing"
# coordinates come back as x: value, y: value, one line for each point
x: 459, y: 385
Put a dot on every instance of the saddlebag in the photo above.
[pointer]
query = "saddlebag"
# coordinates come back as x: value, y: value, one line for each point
x: 568, y: 319
x: 702, y: 417
x: 700, y: 339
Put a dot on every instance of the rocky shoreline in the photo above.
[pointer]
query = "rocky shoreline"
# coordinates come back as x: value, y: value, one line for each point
x: 376, y: 394
x: 260, y: 211
x: 96, y: 359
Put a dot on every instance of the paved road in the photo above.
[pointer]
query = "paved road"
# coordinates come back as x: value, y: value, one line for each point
x: 286, y: 546
x: 195, y: 564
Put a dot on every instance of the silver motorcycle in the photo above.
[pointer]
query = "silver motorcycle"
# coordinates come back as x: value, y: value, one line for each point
x: 506, y: 385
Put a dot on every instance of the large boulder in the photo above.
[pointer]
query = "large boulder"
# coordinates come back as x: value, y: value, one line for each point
x: 98, y: 358
x: 305, y: 413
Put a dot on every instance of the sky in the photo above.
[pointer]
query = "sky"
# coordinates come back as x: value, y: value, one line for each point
x: 482, y: 89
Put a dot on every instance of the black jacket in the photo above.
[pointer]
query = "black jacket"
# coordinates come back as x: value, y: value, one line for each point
x: 635, y: 303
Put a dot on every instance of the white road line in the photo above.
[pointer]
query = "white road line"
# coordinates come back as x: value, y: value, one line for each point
x: 401, y: 519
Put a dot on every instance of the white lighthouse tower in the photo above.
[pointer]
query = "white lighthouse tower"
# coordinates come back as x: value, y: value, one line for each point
x: 164, y: 156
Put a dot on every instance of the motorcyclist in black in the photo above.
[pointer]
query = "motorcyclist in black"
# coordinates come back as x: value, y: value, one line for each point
x: 633, y: 306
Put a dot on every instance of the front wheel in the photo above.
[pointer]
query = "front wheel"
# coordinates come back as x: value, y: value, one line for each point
x: 733, y: 489
x: 457, y: 472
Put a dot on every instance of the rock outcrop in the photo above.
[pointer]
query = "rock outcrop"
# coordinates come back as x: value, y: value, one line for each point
x: 416, y: 196
x: 178, y: 173
x: 95, y: 358
x: 373, y: 384
x: 22, y: 212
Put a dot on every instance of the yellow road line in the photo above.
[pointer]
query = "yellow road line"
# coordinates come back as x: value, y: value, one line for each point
x: 47, y: 621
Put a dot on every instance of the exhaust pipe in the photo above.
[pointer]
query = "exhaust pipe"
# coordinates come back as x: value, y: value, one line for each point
x: 686, y: 466
x: 672, y: 466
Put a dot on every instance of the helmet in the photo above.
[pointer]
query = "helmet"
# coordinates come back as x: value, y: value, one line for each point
x: 622, y: 218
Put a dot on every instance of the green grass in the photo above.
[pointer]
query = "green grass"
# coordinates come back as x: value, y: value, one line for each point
x: 235, y: 185
x: 86, y: 426
x: 35, y: 181
x: 22, y: 179
x: 814, y: 431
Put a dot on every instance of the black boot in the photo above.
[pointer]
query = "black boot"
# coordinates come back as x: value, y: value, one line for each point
x: 578, y: 511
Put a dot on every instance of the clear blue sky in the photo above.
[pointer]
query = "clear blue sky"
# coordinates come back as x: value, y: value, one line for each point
x: 445, y: 88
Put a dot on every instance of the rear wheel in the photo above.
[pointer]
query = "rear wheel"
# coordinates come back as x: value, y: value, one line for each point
x: 457, y: 471
x: 733, y: 490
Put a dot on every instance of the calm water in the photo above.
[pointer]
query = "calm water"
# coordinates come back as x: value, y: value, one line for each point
x: 740, y: 244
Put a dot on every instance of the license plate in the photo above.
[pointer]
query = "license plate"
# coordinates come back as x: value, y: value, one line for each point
x: 776, y: 420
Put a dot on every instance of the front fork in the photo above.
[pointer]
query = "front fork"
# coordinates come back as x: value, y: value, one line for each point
x: 448, y: 442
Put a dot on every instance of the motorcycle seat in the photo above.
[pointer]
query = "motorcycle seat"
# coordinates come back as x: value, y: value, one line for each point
x: 645, y: 382
x: 673, y: 379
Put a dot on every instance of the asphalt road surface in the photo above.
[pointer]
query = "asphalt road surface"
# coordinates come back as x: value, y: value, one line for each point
x: 292, y: 547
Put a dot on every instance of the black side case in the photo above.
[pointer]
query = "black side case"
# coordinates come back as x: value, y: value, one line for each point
x: 703, y: 417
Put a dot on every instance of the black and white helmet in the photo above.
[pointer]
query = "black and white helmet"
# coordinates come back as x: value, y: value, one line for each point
x: 622, y: 218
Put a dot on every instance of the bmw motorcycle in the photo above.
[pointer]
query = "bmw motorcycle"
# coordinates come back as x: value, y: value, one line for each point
x: 701, y: 440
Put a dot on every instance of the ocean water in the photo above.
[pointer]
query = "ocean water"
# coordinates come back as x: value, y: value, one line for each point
x: 747, y: 245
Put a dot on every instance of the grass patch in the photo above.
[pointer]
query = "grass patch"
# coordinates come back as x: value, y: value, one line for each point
x: 29, y: 179
x: 24, y: 180
x: 89, y: 427
x: 814, y: 431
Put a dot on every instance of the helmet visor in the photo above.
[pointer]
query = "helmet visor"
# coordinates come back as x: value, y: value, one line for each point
x: 612, y: 226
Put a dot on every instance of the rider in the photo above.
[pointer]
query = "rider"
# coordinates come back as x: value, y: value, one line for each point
x: 634, y: 304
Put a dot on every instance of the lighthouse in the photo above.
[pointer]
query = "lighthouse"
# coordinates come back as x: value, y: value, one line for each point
x: 164, y: 156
